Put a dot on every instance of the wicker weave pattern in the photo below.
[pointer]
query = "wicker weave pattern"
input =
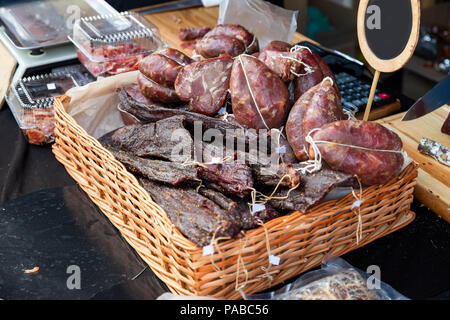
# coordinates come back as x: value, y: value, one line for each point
x: 299, y: 240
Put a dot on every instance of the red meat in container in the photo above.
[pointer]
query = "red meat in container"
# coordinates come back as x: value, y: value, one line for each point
x: 318, y: 106
x: 110, y: 60
x: 269, y: 92
x: 205, y: 84
x: 38, y: 125
x: 163, y: 66
x: 371, y: 166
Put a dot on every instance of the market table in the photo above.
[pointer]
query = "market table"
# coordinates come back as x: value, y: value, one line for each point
x: 55, y: 224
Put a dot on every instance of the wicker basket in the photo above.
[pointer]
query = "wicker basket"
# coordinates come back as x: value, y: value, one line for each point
x: 299, y: 240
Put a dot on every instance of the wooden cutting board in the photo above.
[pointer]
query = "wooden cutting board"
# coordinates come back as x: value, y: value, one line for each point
x: 433, y: 182
x: 7, y: 67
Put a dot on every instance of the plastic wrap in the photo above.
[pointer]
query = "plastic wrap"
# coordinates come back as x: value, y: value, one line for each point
x: 113, y: 44
x: 31, y: 103
x: 266, y: 21
x: 336, y: 280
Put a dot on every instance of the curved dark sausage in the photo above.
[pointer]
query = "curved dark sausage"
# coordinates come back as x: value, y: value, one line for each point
x: 163, y: 66
x: 214, y: 46
x: 192, y: 33
x: 372, y: 167
x: 284, y: 64
x: 271, y: 94
x: 155, y: 91
x: 238, y: 32
x: 320, y: 70
x: 318, y: 106
x: 277, y: 45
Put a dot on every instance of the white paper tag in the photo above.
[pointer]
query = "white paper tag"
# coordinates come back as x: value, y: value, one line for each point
x: 356, y: 204
x: 281, y: 150
x: 274, y: 260
x: 208, y: 250
x: 215, y: 160
x: 257, y: 207
x: 51, y: 86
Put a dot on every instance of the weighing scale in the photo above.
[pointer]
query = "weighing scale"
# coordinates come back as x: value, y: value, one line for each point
x: 34, y: 49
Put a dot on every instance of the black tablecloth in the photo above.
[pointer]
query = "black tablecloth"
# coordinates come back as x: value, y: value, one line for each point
x: 61, y: 226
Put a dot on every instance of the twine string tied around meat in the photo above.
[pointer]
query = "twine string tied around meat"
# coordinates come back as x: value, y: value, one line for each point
x: 250, y: 45
x: 251, y: 90
x: 308, y: 68
x: 357, y: 205
x: 316, y: 164
x: 258, y: 197
x: 204, y: 164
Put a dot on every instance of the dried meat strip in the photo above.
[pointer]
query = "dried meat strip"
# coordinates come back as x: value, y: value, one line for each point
x: 165, y: 139
x: 231, y: 178
x: 250, y: 220
x: 153, y: 113
x: 285, y: 176
x: 171, y: 173
x: 197, y: 217
x: 313, y: 189
x: 241, y: 209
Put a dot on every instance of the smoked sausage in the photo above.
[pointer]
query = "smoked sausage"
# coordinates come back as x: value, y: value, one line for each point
x: 192, y: 33
x: 277, y: 45
x: 163, y: 66
x: 214, y: 46
x: 318, y: 106
x: 238, y: 32
x: 287, y: 65
x: 371, y: 166
x: 155, y: 91
x: 269, y: 92
x: 318, y: 71
x: 205, y: 84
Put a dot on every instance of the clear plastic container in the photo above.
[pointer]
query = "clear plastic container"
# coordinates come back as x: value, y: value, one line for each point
x: 113, y: 44
x: 31, y: 103
x: 42, y: 23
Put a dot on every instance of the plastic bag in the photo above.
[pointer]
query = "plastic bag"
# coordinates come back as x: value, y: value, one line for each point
x: 266, y: 21
x: 171, y: 296
x: 336, y: 280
